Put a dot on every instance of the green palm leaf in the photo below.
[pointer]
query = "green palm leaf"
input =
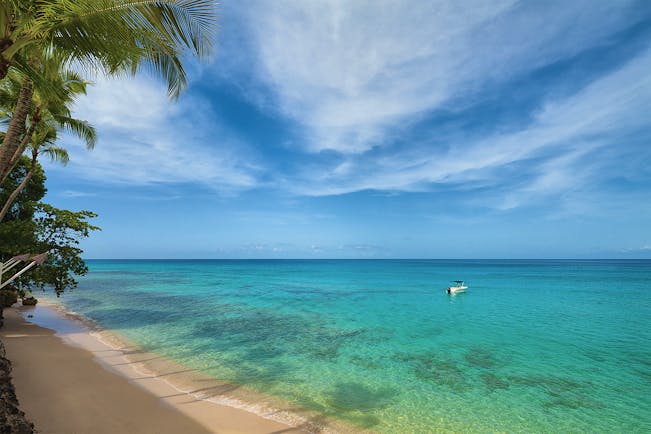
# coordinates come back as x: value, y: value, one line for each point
x: 56, y: 153
x: 80, y: 128
x: 120, y: 35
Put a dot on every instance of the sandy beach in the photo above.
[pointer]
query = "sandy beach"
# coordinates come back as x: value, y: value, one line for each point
x: 73, y: 382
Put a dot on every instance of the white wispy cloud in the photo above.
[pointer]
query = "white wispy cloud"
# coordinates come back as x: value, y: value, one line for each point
x: 353, y: 74
x: 146, y: 139
x: 75, y: 193
x: 646, y: 248
x: 564, y: 136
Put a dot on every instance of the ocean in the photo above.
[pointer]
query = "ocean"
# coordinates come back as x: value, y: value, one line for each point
x: 532, y: 346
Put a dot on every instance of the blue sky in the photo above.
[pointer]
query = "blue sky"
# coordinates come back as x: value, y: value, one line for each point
x: 383, y: 129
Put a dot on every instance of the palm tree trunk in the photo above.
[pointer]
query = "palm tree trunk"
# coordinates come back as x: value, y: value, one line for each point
x: 14, y: 194
x: 5, y: 43
x: 16, y: 128
x: 19, y: 151
x: 4, y: 68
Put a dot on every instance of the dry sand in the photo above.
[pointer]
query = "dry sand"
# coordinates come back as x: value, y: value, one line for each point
x: 76, y: 384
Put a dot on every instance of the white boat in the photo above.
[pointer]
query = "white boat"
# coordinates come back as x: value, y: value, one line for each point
x: 459, y: 287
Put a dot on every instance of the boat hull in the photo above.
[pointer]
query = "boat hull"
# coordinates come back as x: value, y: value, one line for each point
x: 456, y: 289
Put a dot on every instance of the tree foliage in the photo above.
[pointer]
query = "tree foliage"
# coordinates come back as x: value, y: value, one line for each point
x: 58, y: 232
x: 35, y: 227
x: 41, y: 44
x: 46, y: 118
x: 110, y: 36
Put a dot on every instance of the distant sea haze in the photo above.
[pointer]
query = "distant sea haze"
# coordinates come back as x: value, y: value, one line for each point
x: 532, y: 346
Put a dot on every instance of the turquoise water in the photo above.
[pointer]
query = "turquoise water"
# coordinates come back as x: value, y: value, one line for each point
x: 533, y: 346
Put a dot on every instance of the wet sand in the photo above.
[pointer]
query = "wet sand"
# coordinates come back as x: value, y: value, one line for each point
x: 75, y: 383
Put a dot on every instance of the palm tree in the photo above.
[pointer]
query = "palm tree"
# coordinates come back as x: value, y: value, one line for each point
x: 68, y: 85
x: 45, y: 146
x: 109, y: 36
x: 47, y: 117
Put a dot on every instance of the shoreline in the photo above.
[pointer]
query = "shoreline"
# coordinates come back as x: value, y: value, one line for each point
x: 191, y: 381
x: 198, y: 403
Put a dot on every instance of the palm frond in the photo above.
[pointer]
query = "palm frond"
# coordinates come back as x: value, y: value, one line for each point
x: 80, y: 128
x: 41, y: 76
x: 56, y: 153
x: 123, y: 35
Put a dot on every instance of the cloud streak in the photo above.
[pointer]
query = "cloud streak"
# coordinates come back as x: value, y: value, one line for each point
x: 558, y: 147
x: 144, y: 139
x: 355, y: 74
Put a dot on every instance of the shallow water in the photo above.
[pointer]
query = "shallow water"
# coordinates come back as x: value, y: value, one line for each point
x: 533, y: 346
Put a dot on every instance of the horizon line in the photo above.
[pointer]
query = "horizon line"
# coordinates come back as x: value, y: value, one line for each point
x: 367, y: 259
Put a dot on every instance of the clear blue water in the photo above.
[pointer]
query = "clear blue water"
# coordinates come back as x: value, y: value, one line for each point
x: 533, y: 346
